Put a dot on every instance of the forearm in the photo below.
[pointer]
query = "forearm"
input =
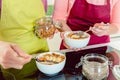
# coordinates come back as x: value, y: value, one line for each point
x: 60, y: 9
x: 113, y: 28
x: 115, y: 18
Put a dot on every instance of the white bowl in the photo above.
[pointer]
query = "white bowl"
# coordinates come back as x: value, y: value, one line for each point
x: 53, y: 69
x: 77, y: 43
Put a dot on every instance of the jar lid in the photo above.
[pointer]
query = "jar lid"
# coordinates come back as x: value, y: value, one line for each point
x: 94, y: 57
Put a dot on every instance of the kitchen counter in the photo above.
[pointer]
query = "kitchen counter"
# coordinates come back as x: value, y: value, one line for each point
x: 64, y: 75
x: 114, y: 46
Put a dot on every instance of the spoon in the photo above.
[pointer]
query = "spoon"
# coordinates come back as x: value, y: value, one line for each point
x: 49, y: 61
x: 87, y: 30
x: 105, y: 25
x: 83, y: 33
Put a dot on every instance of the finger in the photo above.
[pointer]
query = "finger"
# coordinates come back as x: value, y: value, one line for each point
x: 95, y: 32
x: 102, y: 23
x: 19, y: 51
x: 98, y: 30
x: 98, y: 34
x: 21, y: 60
x: 90, y: 28
x: 96, y: 25
x: 11, y: 60
x: 15, y: 62
x: 62, y: 35
x: 12, y: 57
x: 68, y: 47
x: 78, y: 49
x: 7, y: 65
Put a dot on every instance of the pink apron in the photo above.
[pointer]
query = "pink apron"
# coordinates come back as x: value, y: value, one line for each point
x: 83, y: 15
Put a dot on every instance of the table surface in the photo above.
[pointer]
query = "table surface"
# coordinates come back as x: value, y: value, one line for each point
x: 67, y: 76
x: 62, y: 76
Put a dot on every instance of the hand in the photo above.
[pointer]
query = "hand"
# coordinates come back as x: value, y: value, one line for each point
x: 68, y: 47
x: 100, y: 29
x: 11, y: 56
x: 67, y: 28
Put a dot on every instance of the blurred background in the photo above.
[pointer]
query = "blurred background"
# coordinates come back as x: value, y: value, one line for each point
x: 50, y: 7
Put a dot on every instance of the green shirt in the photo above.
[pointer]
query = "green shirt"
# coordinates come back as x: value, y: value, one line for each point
x: 16, y: 26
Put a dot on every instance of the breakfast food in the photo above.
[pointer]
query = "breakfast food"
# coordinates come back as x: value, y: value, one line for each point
x: 52, y: 58
x: 45, y: 27
x: 40, y: 21
x: 46, y: 31
x: 76, y: 36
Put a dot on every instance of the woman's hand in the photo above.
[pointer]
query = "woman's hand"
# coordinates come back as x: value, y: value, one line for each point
x: 68, y: 47
x: 67, y: 28
x: 100, y: 29
x: 11, y: 56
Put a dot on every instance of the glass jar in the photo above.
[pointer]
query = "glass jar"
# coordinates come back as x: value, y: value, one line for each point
x: 95, y: 66
x: 45, y: 27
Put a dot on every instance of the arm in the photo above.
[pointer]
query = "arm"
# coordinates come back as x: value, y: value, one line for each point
x: 115, y: 18
x: 100, y: 29
x: 60, y: 9
x: 61, y: 12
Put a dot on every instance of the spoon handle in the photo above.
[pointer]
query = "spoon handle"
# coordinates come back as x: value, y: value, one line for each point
x: 87, y: 30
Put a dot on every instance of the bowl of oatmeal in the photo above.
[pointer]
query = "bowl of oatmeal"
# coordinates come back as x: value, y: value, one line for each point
x: 50, y: 63
x: 76, y: 39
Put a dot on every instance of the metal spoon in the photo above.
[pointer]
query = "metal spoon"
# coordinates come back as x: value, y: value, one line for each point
x: 83, y: 33
x: 54, y: 62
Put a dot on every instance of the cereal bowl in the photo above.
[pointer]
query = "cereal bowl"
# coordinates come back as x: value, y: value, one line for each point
x: 76, y: 39
x: 51, y: 63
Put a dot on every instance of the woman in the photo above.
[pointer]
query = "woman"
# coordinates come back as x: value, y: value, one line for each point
x: 17, y: 38
x: 86, y: 14
x: 64, y: 7
x: 63, y: 11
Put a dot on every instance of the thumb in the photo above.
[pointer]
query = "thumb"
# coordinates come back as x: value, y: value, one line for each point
x: 102, y: 23
x: 19, y: 51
